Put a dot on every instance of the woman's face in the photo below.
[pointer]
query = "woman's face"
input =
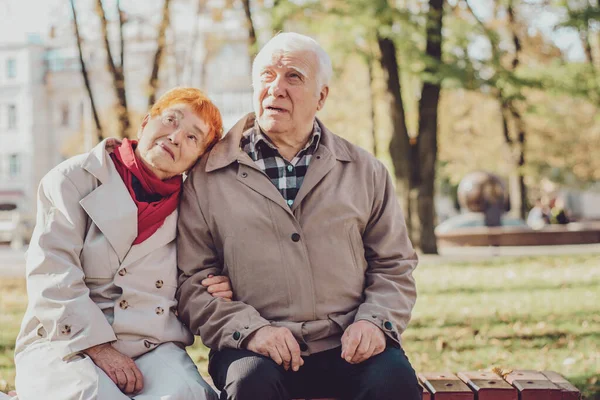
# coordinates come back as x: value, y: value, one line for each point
x: 170, y: 143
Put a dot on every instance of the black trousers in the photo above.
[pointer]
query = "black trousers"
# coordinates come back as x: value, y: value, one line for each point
x: 242, y: 374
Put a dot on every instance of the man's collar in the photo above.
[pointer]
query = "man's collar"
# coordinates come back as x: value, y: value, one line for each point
x: 255, y: 135
x: 228, y: 149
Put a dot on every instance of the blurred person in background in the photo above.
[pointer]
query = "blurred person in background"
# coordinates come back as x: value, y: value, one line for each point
x: 539, y: 215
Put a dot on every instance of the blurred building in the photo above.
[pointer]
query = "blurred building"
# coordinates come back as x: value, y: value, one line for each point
x: 45, y: 113
x: 24, y: 134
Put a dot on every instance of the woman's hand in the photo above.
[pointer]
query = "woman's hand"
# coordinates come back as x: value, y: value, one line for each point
x: 219, y: 286
x: 119, y: 368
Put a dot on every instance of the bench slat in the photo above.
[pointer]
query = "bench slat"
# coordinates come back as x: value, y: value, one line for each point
x: 569, y: 392
x: 489, y: 386
x: 445, y: 386
x: 533, y: 385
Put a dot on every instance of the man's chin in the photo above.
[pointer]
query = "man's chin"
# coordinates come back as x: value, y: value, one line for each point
x: 271, y: 125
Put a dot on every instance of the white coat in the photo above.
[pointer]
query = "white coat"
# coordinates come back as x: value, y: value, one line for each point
x: 88, y: 285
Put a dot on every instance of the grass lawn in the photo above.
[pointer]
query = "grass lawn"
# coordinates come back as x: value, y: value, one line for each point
x: 538, y: 313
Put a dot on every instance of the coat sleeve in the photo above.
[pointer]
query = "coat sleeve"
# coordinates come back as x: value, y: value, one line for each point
x: 390, y: 290
x: 58, y: 295
x: 220, y: 324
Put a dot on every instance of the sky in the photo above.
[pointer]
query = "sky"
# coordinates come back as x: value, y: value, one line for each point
x: 20, y: 18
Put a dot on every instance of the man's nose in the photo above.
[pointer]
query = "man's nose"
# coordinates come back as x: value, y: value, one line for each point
x: 277, y: 87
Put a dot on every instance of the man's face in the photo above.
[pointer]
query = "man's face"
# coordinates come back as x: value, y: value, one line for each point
x: 170, y: 143
x: 286, y: 93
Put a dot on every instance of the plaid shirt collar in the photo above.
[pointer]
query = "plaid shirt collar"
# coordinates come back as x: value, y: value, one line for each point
x: 254, y: 136
x: 287, y: 176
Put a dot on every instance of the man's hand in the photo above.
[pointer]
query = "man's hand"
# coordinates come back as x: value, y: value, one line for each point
x: 277, y: 343
x: 119, y: 368
x: 361, y: 341
x: 219, y: 286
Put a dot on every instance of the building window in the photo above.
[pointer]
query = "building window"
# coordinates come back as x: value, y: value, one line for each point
x: 12, y: 116
x: 11, y: 68
x: 64, y: 115
x: 14, y: 166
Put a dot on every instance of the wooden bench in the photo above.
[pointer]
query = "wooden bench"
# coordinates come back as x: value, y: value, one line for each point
x: 516, y: 385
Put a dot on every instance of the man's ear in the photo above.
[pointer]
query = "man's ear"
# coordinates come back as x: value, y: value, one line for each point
x: 143, y: 125
x: 322, y: 97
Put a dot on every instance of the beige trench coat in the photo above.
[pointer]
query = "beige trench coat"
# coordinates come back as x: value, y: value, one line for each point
x: 86, y: 283
x: 339, y: 254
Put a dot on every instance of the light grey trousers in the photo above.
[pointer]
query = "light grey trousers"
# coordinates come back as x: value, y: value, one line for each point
x: 169, y: 374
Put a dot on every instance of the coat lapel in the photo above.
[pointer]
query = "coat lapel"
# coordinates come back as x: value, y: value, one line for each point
x: 110, y: 205
x: 331, y: 150
x: 250, y: 175
x: 321, y: 163
x: 163, y: 236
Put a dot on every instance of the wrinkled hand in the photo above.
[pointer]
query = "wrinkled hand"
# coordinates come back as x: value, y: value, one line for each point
x: 278, y: 344
x: 361, y: 341
x: 119, y: 368
x: 219, y: 286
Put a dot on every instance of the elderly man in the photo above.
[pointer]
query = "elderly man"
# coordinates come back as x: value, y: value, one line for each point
x: 308, y: 229
x: 101, y: 268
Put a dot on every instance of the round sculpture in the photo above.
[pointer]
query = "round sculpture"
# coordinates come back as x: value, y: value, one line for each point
x: 480, y: 190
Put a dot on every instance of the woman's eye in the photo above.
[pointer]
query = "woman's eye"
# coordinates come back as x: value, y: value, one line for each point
x: 170, y: 120
x: 192, y: 137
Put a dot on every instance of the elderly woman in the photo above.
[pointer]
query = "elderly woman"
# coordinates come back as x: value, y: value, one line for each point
x: 102, y: 266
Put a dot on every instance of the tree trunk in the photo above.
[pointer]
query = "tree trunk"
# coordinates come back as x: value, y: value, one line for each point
x: 521, y: 161
x: 277, y: 22
x: 117, y: 74
x: 428, y: 120
x: 401, y: 149
x: 121, y: 37
x: 252, y: 45
x: 518, y: 118
x: 160, y: 47
x: 84, y: 73
x: 188, y: 63
x: 372, y: 104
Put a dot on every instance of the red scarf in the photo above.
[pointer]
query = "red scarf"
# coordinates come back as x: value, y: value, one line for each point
x: 152, y: 215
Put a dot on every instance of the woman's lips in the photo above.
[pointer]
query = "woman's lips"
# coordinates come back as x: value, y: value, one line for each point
x: 165, y: 148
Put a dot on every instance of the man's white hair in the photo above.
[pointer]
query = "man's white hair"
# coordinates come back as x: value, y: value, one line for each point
x: 289, y: 42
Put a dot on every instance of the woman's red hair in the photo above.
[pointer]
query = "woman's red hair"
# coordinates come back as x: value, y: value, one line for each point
x: 200, y: 104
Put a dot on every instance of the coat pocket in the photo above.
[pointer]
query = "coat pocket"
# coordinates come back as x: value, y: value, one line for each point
x: 357, y: 249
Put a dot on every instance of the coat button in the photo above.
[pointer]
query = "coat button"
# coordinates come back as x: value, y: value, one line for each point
x: 388, y: 325
x: 303, y: 347
x: 123, y: 272
x: 295, y: 237
x: 236, y: 335
x: 244, y: 174
x: 65, y: 330
x: 123, y: 304
x: 159, y: 284
x: 147, y: 344
x: 159, y: 310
